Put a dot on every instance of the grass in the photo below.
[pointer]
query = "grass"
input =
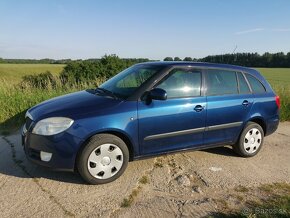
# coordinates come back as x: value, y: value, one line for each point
x: 279, y: 78
x: 144, y: 180
x: 158, y: 162
x: 127, y: 202
x: 241, y: 189
x: 276, y: 76
x: 14, y: 72
x: 15, y: 101
x: 275, y: 204
x: 272, y: 200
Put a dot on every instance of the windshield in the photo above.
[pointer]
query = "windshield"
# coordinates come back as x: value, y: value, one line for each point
x: 128, y: 81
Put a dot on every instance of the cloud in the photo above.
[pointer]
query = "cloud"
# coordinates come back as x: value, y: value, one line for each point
x: 249, y: 31
x: 262, y: 29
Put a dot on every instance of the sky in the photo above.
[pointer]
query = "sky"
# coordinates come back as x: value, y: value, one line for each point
x: 155, y: 29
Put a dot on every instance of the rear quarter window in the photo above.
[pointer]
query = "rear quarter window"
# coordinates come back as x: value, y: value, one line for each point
x: 257, y: 86
x: 243, y: 85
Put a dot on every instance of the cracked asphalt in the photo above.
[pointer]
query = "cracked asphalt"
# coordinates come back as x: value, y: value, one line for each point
x: 28, y: 190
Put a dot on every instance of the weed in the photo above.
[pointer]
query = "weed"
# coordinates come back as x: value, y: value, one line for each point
x: 274, y: 202
x: 158, y: 162
x: 144, y: 180
x: 127, y: 202
x: 241, y: 189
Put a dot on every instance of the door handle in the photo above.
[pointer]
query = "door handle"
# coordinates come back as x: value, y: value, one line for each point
x: 198, y: 108
x: 245, y: 103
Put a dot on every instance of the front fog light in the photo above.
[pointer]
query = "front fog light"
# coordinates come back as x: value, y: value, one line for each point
x: 45, y: 156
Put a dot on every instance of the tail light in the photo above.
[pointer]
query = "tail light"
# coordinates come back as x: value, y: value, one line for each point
x: 277, y: 98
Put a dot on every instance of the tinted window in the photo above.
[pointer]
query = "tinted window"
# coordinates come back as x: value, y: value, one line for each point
x: 182, y: 83
x: 244, y: 88
x: 256, y: 85
x: 220, y: 82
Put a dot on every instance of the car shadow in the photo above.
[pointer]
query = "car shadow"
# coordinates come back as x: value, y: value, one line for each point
x: 224, y: 151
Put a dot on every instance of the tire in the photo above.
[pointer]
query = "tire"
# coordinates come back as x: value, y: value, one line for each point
x: 250, y: 141
x: 104, y: 158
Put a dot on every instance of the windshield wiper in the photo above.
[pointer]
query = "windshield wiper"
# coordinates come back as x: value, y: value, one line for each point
x: 108, y: 92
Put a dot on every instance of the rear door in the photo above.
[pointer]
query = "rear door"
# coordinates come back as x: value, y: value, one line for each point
x: 175, y: 123
x: 229, y: 101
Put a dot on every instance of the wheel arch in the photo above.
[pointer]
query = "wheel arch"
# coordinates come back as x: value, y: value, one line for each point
x: 115, y: 132
x: 261, y: 122
x: 256, y: 119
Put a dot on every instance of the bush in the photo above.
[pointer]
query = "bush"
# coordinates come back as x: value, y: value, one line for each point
x: 42, y: 81
x: 90, y: 70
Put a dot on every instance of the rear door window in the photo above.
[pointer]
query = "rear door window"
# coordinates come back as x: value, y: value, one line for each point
x: 244, y: 88
x: 256, y: 85
x: 221, y: 82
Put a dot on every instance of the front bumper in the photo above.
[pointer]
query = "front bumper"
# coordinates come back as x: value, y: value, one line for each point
x: 63, y: 146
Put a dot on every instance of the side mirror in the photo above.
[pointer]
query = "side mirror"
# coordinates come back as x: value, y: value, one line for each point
x: 158, y: 94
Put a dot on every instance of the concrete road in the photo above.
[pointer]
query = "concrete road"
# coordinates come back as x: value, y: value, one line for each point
x: 182, y: 184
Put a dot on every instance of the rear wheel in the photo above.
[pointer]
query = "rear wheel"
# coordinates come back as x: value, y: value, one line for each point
x: 103, y: 159
x: 250, y: 141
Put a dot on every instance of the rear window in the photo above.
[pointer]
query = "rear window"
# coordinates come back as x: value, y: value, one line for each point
x: 221, y: 82
x: 257, y: 86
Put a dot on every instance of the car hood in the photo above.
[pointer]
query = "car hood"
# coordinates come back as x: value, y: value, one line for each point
x: 73, y: 105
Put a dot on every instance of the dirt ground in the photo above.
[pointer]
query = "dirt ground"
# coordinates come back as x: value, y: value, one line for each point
x: 190, y: 184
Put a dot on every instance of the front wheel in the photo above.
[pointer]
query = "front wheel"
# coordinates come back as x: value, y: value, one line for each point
x: 103, y: 159
x: 250, y: 141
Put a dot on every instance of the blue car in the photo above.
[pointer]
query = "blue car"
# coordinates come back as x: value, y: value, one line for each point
x: 151, y: 109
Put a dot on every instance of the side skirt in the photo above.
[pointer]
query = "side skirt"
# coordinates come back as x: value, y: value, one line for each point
x: 203, y: 147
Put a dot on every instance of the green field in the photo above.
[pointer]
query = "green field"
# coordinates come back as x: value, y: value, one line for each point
x: 15, y: 101
x: 14, y: 72
x: 276, y: 76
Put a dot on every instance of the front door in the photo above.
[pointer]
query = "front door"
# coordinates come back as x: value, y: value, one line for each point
x: 179, y: 121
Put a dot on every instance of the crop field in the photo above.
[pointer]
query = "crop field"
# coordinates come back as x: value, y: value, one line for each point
x: 13, y: 73
x: 15, y: 100
x: 276, y: 76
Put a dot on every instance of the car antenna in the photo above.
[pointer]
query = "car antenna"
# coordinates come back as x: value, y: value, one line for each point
x: 235, y: 58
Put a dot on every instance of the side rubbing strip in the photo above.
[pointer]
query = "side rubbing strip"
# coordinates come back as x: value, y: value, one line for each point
x: 223, y: 126
x: 196, y: 130
x: 177, y: 133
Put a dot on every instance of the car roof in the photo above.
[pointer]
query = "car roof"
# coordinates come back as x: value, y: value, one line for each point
x: 197, y: 64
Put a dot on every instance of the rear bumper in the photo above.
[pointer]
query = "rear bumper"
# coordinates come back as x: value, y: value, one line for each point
x: 63, y: 146
x: 272, y: 125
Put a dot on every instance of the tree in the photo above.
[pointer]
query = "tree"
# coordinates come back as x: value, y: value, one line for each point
x: 177, y: 59
x: 168, y: 59
x: 187, y: 59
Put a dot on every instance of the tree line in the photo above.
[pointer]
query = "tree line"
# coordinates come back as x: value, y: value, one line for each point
x: 267, y: 59
x: 244, y: 59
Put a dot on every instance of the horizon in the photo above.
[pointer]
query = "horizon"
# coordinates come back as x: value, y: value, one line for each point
x: 98, y: 58
x: 154, y: 30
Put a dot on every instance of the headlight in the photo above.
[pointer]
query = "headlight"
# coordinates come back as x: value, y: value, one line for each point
x: 52, y: 126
